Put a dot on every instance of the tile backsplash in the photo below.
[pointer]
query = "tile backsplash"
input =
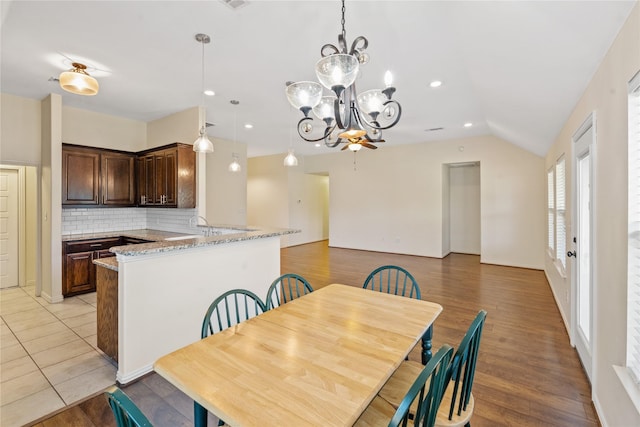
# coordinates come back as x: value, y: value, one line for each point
x: 99, y: 220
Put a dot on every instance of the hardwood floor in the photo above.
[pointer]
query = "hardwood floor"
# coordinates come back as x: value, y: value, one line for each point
x: 527, y: 373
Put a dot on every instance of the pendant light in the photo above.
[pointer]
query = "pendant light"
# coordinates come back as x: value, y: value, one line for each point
x: 78, y: 81
x: 291, y: 159
x: 203, y: 144
x: 234, y: 166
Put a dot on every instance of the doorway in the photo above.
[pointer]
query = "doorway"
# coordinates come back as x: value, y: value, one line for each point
x: 19, y: 226
x: 582, y: 239
x: 462, y: 218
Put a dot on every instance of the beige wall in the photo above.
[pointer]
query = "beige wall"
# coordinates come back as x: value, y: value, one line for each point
x: 84, y: 127
x: 19, y: 130
x: 179, y: 127
x: 393, y: 201
x: 226, y: 191
x: 606, y: 94
x: 51, y: 197
x: 286, y: 197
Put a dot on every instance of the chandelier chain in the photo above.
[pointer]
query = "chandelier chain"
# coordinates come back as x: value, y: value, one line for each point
x: 344, y: 32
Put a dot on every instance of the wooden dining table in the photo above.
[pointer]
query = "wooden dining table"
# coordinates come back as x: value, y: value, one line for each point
x: 318, y: 360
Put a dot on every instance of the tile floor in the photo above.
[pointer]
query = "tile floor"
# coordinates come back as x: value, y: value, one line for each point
x: 48, y: 355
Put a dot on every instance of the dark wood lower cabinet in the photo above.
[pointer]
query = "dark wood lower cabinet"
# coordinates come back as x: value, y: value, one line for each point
x: 107, y: 311
x: 78, y: 273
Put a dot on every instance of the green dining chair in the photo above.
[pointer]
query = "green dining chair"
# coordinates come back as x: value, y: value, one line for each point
x: 286, y: 288
x: 124, y: 410
x: 230, y: 308
x: 393, y: 279
x: 458, y: 402
x: 425, y: 394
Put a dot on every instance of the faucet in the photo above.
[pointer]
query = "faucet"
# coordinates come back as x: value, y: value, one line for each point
x: 208, y: 230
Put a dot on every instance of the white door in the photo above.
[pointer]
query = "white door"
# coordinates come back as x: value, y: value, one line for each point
x: 582, y: 239
x: 8, y: 228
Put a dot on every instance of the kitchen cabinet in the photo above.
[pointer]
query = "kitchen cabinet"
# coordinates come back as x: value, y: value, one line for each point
x: 97, y: 177
x: 166, y: 177
x: 107, y: 311
x: 78, y: 270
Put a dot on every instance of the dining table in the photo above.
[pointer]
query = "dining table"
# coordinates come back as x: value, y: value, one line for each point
x: 318, y: 360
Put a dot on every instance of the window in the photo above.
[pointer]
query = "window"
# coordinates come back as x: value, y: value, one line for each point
x: 633, y: 254
x: 561, y: 228
x: 551, y: 209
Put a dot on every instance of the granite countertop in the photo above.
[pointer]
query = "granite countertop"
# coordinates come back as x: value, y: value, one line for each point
x: 243, y: 234
x: 110, y: 262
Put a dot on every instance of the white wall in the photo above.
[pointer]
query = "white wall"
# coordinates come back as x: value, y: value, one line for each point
x: 465, y: 213
x: 84, y: 127
x: 606, y: 94
x: 393, y: 201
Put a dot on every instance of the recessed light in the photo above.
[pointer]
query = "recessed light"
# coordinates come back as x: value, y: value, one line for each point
x: 248, y: 126
x: 435, y: 83
x: 468, y: 124
x: 209, y: 92
x: 318, y: 145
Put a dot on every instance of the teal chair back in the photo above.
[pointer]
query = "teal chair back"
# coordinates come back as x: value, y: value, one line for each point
x: 230, y: 308
x: 393, y: 280
x: 286, y: 288
x: 463, y: 366
x: 427, y: 389
x: 125, y: 411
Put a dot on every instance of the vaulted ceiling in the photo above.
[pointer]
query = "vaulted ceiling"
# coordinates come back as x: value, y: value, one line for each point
x: 514, y: 69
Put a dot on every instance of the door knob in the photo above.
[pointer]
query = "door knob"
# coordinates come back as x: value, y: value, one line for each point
x: 571, y: 254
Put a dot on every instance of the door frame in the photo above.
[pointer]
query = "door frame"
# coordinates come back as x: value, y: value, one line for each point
x: 21, y: 221
x: 589, y: 123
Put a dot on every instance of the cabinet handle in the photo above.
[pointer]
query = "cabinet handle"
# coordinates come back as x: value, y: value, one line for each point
x: 104, y: 199
x: 96, y: 245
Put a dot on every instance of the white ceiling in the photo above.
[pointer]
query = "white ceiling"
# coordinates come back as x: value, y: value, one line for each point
x: 515, y: 69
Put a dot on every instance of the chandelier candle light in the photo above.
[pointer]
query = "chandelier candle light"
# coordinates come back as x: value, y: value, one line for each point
x: 359, y: 118
x: 203, y: 144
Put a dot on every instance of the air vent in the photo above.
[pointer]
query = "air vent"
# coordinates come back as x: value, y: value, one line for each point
x: 234, y: 4
x: 433, y: 129
x: 209, y: 124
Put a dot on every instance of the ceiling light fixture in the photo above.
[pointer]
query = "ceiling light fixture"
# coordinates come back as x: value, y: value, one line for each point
x: 202, y: 144
x: 291, y: 159
x: 359, y: 117
x: 234, y: 166
x: 78, y: 81
x: 435, y: 83
x: 468, y: 124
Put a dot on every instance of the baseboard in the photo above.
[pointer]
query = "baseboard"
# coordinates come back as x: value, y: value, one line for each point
x: 51, y: 300
x: 132, y: 376
x: 567, y: 324
x: 31, y: 283
x: 599, y: 411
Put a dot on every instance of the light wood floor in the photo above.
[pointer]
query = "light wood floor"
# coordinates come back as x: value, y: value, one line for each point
x: 527, y: 374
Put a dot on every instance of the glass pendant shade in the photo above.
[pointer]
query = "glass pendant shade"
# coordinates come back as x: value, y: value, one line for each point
x: 337, y: 70
x: 324, y: 109
x: 355, y: 146
x: 304, y: 94
x: 202, y: 144
x: 78, y: 81
x: 291, y: 159
x: 372, y: 101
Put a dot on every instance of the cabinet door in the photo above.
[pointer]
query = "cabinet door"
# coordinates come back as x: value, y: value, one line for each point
x: 171, y: 176
x: 79, y: 273
x: 145, y: 181
x: 117, y: 179
x: 80, y: 176
x: 159, y: 179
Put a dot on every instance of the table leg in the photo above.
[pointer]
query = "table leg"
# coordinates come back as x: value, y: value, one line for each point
x: 426, y: 345
x: 199, y: 415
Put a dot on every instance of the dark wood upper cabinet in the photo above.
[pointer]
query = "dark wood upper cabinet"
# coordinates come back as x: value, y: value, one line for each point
x: 166, y: 177
x: 80, y: 176
x: 97, y: 177
x: 117, y: 179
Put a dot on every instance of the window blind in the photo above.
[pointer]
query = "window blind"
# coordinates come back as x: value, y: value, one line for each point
x: 633, y: 254
x: 551, y: 213
x: 561, y: 238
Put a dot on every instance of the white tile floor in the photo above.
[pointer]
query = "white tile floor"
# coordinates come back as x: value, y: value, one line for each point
x: 48, y: 355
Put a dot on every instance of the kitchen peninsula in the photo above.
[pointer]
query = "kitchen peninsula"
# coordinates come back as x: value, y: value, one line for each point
x: 165, y: 287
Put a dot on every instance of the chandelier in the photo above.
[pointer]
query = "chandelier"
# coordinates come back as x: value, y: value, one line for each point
x: 359, y: 118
